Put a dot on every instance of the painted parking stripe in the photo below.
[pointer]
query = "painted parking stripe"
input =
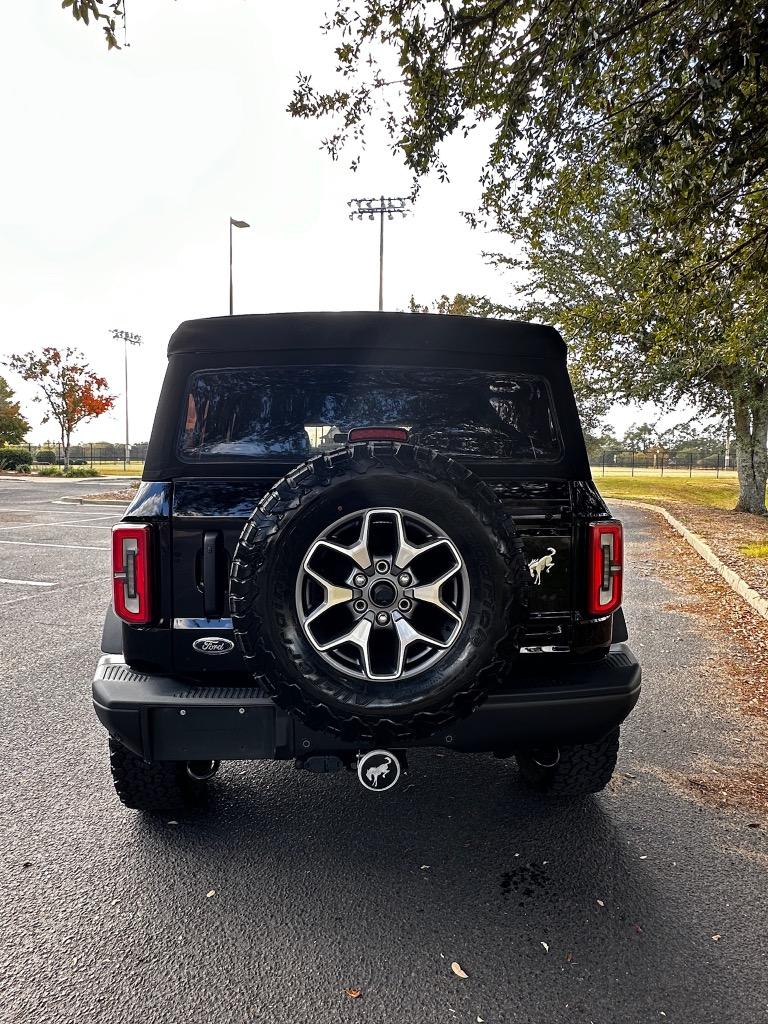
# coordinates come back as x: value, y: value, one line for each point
x: 74, y: 524
x: 71, y: 511
x: 62, y: 590
x: 40, y: 544
x: 26, y: 583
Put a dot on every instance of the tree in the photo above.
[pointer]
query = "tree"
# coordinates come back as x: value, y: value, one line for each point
x: 13, y: 426
x: 71, y: 390
x: 672, y: 90
x: 593, y: 403
x: 645, y: 321
x: 84, y: 10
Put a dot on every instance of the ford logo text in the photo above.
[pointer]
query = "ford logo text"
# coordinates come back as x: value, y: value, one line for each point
x: 213, y: 645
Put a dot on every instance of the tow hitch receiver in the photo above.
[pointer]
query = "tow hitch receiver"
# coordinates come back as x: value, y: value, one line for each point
x: 378, y: 770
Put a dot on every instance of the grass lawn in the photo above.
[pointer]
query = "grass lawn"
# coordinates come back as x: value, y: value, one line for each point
x: 756, y: 550
x: 700, y: 490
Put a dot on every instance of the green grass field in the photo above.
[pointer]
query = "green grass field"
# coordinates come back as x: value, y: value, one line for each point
x: 108, y: 468
x: 699, y: 490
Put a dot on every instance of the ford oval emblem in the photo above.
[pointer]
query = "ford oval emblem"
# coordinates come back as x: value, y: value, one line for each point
x: 213, y: 645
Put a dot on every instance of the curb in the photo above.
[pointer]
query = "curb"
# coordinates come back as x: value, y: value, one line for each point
x: 734, y: 581
x: 66, y: 500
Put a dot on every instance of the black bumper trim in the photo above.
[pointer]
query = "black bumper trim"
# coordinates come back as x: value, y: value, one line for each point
x: 553, y: 702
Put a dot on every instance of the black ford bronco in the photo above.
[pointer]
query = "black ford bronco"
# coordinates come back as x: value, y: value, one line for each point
x: 358, y: 533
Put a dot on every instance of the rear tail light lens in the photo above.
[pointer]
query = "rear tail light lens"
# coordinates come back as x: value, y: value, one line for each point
x: 606, y: 567
x: 130, y: 573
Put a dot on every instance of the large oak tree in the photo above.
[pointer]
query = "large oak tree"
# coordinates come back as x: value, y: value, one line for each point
x: 649, y: 317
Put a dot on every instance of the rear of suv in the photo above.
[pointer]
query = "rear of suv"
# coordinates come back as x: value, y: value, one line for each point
x: 356, y: 534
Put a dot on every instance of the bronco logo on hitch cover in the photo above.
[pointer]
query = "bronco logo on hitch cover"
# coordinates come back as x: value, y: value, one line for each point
x: 378, y: 770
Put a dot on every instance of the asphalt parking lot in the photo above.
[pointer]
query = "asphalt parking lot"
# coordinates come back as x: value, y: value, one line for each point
x: 638, y: 905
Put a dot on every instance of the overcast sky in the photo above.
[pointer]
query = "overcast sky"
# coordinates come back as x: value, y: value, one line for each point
x: 120, y: 171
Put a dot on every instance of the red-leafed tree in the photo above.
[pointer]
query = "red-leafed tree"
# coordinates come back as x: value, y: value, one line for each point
x: 71, y: 390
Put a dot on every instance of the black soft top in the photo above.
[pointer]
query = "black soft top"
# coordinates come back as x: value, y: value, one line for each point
x: 295, y: 333
x: 419, y: 340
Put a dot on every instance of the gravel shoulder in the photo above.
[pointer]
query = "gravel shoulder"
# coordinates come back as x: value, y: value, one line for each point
x: 727, y: 533
x: 733, y: 668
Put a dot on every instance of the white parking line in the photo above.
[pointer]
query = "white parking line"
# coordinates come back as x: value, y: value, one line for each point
x: 40, y: 544
x: 73, y: 510
x: 62, y: 590
x: 26, y: 583
x: 74, y: 524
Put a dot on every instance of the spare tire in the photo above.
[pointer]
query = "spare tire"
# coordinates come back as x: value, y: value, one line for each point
x: 378, y: 592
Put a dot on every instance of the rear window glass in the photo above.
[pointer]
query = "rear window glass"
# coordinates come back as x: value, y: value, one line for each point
x: 288, y: 412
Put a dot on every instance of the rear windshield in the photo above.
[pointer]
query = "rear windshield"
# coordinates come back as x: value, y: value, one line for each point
x: 294, y: 412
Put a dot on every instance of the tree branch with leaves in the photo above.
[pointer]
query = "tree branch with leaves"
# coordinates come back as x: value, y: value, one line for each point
x: 102, y: 13
x: 675, y: 92
x: 13, y: 426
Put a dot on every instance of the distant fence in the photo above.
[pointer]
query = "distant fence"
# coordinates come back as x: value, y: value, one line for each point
x: 603, y: 463
x: 608, y: 462
x: 95, y: 455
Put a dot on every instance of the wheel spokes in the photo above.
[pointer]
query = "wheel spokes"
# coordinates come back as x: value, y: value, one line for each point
x: 358, y: 635
x: 406, y: 551
x: 369, y: 600
x: 334, y: 595
x: 430, y: 593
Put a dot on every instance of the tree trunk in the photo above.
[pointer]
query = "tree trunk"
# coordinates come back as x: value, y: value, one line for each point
x: 66, y: 443
x: 751, y: 423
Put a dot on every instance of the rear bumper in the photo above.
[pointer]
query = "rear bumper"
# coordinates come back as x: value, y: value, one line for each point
x: 167, y: 719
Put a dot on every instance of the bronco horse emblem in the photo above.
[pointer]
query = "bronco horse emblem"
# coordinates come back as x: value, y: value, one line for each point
x: 537, y: 566
x: 378, y: 771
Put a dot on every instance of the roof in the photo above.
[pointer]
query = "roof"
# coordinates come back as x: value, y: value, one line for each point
x: 367, y: 331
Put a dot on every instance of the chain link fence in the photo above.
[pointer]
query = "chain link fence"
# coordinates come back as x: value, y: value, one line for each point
x: 607, y: 462
x: 610, y: 462
x: 96, y: 455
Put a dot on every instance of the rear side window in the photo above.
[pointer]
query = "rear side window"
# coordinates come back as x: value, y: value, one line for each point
x: 293, y: 412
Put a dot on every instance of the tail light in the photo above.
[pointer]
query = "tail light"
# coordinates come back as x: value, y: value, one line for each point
x: 130, y: 573
x: 606, y: 567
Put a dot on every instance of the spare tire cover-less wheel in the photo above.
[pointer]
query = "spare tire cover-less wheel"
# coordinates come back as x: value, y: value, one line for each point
x: 378, y: 591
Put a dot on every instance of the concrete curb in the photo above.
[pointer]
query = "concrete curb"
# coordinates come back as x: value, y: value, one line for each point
x: 734, y: 581
x: 66, y: 500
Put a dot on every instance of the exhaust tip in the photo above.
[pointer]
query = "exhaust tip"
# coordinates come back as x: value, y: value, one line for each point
x: 201, y: 771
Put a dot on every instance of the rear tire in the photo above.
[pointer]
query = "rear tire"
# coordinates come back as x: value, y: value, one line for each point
x: 580, y: 770
x: 155, y: 787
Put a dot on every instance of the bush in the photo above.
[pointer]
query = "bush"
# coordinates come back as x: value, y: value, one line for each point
x: 15, y: 458
x: 45, y: 457
x: 80, y: 471
x: 50, y: 471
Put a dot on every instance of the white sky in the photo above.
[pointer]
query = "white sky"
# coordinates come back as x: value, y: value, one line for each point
x: 120, y: 170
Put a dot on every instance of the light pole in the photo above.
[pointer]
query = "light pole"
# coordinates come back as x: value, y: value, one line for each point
x: 127, y: 338
x: 233, y: 224
x: 370, y: 207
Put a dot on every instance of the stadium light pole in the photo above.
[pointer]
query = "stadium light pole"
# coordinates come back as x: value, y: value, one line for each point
x: 233, y: 224
x: 127, y: 338
x: 389, y: 205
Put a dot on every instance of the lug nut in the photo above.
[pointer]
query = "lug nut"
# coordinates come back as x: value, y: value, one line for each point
x: 382, y: 618
x: 404, y: 605
x: 360, y: 605
x: 404, y: 579
x: 360, y: 579
x: 382, y: 566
